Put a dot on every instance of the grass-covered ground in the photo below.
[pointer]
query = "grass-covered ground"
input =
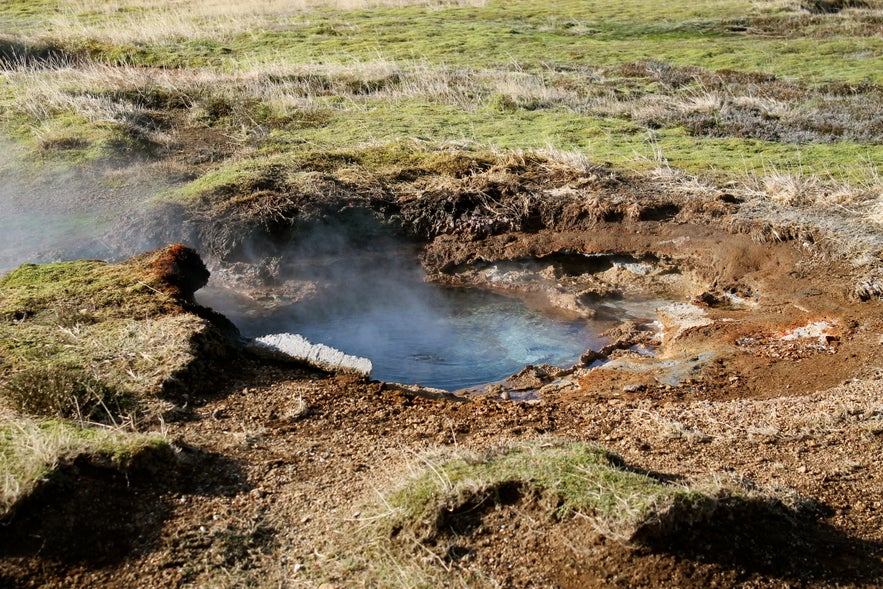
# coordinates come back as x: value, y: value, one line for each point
x: 251, y: 116
x: 729, y: 87
x: 92, y: 341
x: 775, y: 98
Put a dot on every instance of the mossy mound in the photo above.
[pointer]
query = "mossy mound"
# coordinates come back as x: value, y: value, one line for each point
x: 567, y: 478
x: 465, y: 515
x: 32, y: 450
x: 92, y: 340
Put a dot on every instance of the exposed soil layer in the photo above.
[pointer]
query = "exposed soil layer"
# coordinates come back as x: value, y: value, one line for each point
x: 767, y: 370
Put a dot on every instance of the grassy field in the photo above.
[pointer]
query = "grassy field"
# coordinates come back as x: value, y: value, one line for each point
x: 719, y: 87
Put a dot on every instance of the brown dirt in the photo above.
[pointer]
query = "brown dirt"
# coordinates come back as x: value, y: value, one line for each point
x: 275, y: 467
x: 288, y: 457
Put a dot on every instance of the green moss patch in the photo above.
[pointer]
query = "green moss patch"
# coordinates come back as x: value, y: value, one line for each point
x: 571, y: 478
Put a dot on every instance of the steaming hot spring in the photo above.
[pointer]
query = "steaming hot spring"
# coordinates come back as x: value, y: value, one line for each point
x: 370, y: 298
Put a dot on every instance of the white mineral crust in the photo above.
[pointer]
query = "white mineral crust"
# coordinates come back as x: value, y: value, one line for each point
x: 319, y: 355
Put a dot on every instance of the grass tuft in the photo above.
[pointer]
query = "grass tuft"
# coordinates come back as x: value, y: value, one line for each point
x: 407, y: 536
x: 576, y: 478
x: 97, y: 341
x: 30, y: 450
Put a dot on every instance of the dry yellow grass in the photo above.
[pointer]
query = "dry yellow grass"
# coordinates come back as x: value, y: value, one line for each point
x: 162, y: 20
x: 31, y: 449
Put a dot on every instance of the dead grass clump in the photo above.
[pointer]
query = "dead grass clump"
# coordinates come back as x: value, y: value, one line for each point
x: 748, y: 105
x: 62, y: 393
x: 18, y: 53
x: 831, y: 6
x: 860, y: 196
x: 262, y: 204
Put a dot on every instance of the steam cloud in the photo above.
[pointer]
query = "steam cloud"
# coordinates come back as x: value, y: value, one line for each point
x: 62, y: 214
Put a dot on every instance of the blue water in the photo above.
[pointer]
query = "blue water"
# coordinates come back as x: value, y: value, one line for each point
x: 368, y: 297
x: 448, y: 338
x: 452, y: 339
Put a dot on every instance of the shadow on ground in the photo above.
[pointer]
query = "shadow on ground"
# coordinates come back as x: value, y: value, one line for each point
x: 761, y: 536
x: 92, y: 514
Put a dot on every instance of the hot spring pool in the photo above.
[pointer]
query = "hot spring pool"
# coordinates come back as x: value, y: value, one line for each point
x: 442, y: 337
x: 373, y: 301
x: 451, y: 339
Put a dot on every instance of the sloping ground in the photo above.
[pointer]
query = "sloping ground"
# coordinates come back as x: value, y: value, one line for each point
x: 89, y: 352
x: 97, y: 341
x: 297, y: 460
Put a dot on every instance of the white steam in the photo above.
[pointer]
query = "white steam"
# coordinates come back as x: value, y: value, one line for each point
x: 52, y: 212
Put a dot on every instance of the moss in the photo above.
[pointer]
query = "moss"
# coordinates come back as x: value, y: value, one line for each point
x: 33, y: 291
x: 578, y: 477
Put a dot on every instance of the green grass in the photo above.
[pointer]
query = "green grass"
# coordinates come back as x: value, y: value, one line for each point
x: 112, y: 290
x: 403, y: 538
x: 31, y: 449
x: 487, y: 38
x: 581, y: 478
x: 511, y: 75
x: 728, y: 90
x: 498, y: 34
x: 91, y: 340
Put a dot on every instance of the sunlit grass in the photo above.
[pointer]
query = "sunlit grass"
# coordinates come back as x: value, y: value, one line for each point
x: 723, y: 89
x: 30, y: 450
